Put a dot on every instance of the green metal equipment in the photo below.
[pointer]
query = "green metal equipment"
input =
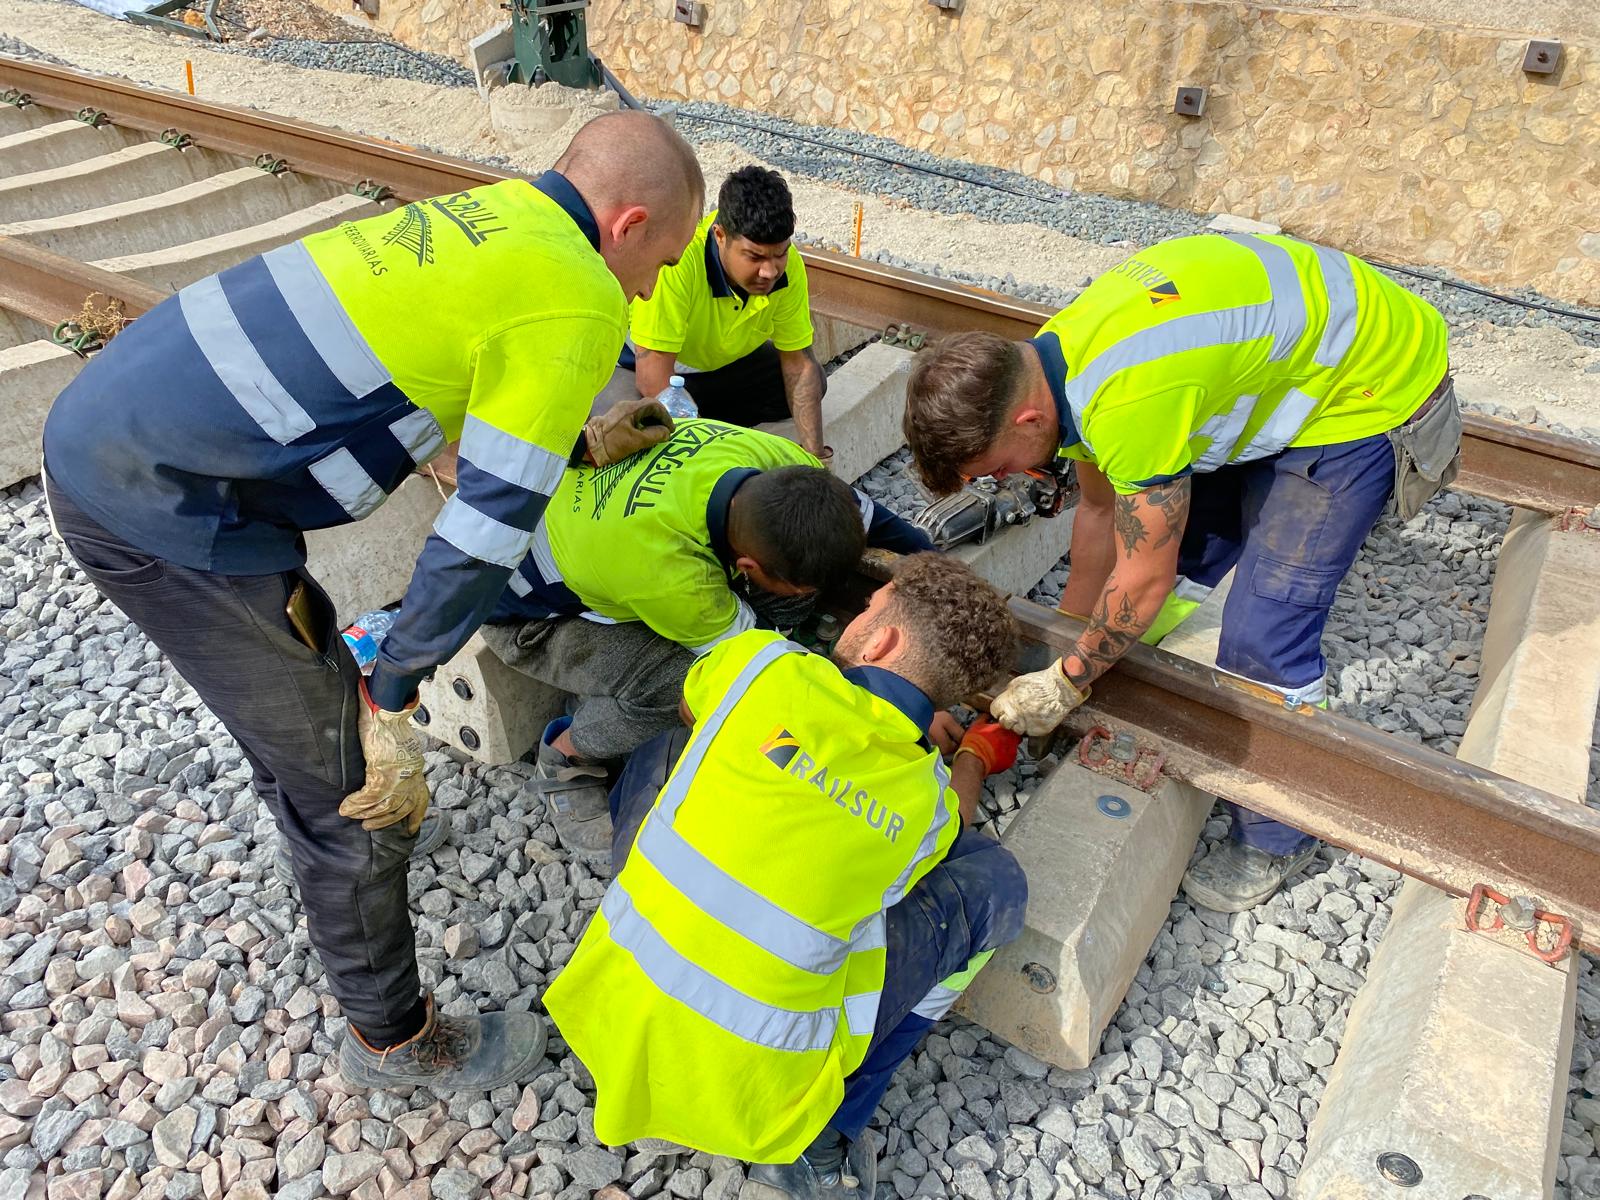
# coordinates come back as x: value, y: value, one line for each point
x: 551, y: 43
x: 159, y: 16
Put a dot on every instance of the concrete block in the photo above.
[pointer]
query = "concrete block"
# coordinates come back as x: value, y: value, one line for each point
x: 1456, y: 1052
x: 31, y: 377
x: 59, y: 143
x: 1229, y: 223
x: 367, y: 564
x: 18, y: 330
x: 484, y: 708
x: 178, y: 266
x: 126, y: 174
x: 835, y: 336
x: 861, y: 412
x: 488, y: 54
x: 1016, y: 560
x: 30, y: 116
x: 1100, y: 886
x: 1198, y: 637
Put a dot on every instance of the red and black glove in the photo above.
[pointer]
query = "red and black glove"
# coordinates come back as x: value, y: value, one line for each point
x: 992, y: 744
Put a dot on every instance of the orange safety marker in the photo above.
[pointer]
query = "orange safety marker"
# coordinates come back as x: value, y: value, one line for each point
x: 860, y: 212
x: 188, y: 71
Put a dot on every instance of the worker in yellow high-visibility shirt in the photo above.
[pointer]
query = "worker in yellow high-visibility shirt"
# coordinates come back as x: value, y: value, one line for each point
x: 296, y: 391
x: 1242, y: 403
x: 797, y: 901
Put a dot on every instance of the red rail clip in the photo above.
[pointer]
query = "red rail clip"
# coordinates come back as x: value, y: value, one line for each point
x: 1560, y: 924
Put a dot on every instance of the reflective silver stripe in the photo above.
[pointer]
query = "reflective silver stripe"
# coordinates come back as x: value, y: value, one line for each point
x: 1224, y: 430
x: 598, y: 619
x: 348, y: 482
x: 937, y: 1002
x: 694, y: 754
x: 867, y: 507
x: 519, y: 584
x: 861, y: 1013
x: 324, y: 321
x: 420, y: 434
x: 870, y: 934
x: 1339, y: 281
x: 690, y: 984
x: 237, y: 364
x: 480, y: 536
x: 1287, y: 317
x: 743, y: 619
x: 1223, y: 327
x: 732, y: 904
x: 542, y: 556
x: 930, y: 840
x: 1286, y: 421
x: 510, y: 458
x: 1315, y: 692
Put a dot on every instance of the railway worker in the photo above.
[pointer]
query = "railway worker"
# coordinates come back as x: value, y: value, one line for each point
x: 733, y: 317
x: 293, y: 392
x: 639, y: 567
x: 1233, y: 403
x: 797, y: 901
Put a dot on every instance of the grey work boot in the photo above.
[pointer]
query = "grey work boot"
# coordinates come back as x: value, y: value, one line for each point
x: 575, y: 794
x: 1235, y: 877
x: 830, y: 1169
x: 429, y: 838
x: 451, y: 1054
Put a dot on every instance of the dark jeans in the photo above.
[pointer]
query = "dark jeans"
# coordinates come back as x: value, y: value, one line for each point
x: 746, y: 392
x: 1289, y: 527
x: 293, y: 712
x: 973, y: 901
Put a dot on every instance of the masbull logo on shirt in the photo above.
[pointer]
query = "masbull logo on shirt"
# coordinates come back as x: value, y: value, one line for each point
x: 783, y: 750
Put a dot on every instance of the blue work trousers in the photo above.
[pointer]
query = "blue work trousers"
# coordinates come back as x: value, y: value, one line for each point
x: 973, y: 901
x: 1289, y: 527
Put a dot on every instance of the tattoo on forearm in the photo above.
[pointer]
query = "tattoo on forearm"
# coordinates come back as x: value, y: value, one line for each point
x: 1172, y: 501
x: 1128, y: 524
x: 1104, y: 640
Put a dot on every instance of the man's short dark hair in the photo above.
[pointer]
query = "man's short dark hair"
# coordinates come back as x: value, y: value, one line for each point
x: 961, y: 630
x: 754, y: 203
x: 802, y: 524
x: 957, y: 398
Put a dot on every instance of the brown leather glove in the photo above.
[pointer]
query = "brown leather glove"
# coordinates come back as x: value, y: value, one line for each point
x: 625, y: 428
x: 397, y: 787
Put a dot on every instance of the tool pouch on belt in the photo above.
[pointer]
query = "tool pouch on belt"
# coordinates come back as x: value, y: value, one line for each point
x: 1427, y: 451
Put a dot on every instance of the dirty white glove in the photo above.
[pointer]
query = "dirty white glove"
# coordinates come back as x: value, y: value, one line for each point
x: 397, y: 787
x: 1037, y: 702
x: 625, y: 428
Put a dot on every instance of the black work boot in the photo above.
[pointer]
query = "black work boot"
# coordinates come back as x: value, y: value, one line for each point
x: 830, y: 1169
x: 575, y: 794
x: 450, y: 1054
x: 1235, y: 877
x: 429, y: 838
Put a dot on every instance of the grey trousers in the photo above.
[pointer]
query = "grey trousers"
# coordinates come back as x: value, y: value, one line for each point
x: 627, y: 678
x: 293, y: 712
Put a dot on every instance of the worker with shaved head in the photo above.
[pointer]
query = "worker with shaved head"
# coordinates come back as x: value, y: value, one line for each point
x: 296, y: 391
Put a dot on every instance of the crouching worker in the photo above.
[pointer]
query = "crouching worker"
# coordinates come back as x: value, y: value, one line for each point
x: 797, y: 901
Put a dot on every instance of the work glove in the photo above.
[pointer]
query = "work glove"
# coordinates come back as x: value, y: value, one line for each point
x: 625, y: 428
x: 1037, y: 702
x: 992, y: 744
x: 397, y: 787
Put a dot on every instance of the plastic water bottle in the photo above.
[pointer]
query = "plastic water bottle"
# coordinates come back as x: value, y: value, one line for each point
x: 366, y: 635
x: 676, y: 399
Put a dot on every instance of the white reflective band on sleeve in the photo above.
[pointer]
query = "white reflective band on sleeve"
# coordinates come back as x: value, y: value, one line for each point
x: 1224, y: 430
x: 870, y: 934
x: 744, y: 619
x: 347, y: 482
x: 930, y: 839
x: 1339, y: 279
x: 510, y: 458
x: 861, y: 1013
x: 480, y: 536
x: 542, y: 557
x: 864, y: 502
x: 324, y: 321
x: 1288, y: 317
x: 419, y: 433
x: 690, y: 984
x: 238, y: 365
x: 1288, y: 419
x: 937, y: 1002
x: 519, y: 584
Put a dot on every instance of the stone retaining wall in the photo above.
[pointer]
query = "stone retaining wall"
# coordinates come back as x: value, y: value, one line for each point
x: 1382, y: 135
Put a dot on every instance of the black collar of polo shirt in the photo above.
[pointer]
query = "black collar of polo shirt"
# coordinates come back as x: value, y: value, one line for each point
x: 717, y: 505
x: 1054, y: 362
x: 559, y: 188
x: 717, y: 277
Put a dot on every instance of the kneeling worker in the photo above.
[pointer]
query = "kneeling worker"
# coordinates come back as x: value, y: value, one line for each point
x: 1233, y: 403
x: 733, y: 315
x: 639, y: 567
x: 797, y: 902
